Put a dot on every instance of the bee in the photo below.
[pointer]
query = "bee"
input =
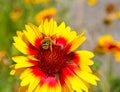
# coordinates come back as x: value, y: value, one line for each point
x: 47, y: 42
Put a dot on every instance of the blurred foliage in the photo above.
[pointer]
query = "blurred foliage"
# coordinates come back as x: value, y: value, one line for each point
x: 96, y: 65
x: 115, y: 85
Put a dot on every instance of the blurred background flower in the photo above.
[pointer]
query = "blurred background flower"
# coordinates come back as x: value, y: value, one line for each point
x: 35, y: 1
x: 92, y: 2
x: 112, y: 13
x: 45, y: 14
x: 107, y: 44
x: 16, y: 13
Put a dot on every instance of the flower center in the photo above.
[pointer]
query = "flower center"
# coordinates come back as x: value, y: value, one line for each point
x: 52, y: 62
x: 110, y: 46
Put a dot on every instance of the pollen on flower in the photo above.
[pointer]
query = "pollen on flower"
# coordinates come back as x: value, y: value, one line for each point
x: 51, y: 62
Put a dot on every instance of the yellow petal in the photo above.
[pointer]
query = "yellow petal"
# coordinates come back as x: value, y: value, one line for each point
x: 25, y: 73
x: 32, y: 33
x: 85, y: 53
x: 45, y: 27
x: 85, y: 68
x: 60, y: 29
x: 38, y: 89
x: 22, y: 62
x: 78, y: 41
x: 12, y: 72
x: 76, y: 83
x: 33, y: 83
x: 65, y: 32
x: 57, y: 87
x: 26, y: 80
x: 48, y: 28
x: 85, y: 57
x: 52, y: 27
x: 88, y: 77
x: 71, y: 36
x: 19, y: 34
x: 65, y: 88
x: 20, y: 45
x: 22, y: 36
x: 44, y: 88
x: 23, y: 89
x: 68, y: 86
x: 35, y: 30
x: 17, y: 71
x: 106, y: 38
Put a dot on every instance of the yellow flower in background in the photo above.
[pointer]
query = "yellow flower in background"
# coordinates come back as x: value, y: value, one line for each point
x: 106, y: 43
x: 16, y: 13
x: 45, y: 14
x: 3, y: 55
x: 35, y: 1
x: 92, y: 2
x: 109, y: 19
x: 99, y: 49
x: 50, y: 62
x: 3, y: 58
x: 112, y: 13
x: 118, y: 14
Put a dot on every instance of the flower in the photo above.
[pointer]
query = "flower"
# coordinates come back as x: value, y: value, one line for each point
x: 92, y: 2
x: 16, y: 13
x: 112, y: 14
x: 50, y: 63
x: 117, y: 14
x: 3, y: 57
x: 106, y: 44
x: 111, y: 7
x: 109, y: 19
x: 45, y: 14
x: 35, y: 1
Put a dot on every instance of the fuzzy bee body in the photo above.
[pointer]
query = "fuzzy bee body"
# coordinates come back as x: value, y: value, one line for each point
x: 47, y: 43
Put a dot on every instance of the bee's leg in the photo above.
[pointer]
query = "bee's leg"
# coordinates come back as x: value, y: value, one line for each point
x: 51, y: 47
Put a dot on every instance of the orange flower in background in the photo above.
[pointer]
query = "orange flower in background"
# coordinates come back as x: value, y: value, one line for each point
x: 112, y: 14
x: 45, y: 14
x: 35, y: 1
x: 117, y: 51
x: 106, y: 44
x: 16, y: 13
x: 50, y: 62
x: 110, y: 7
